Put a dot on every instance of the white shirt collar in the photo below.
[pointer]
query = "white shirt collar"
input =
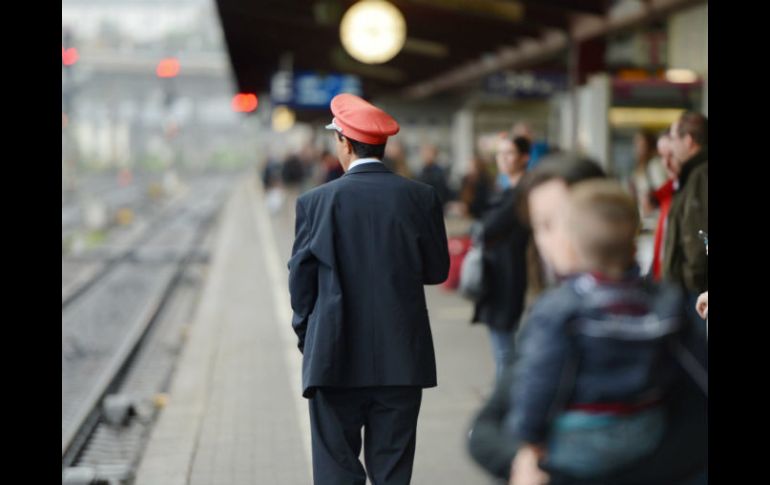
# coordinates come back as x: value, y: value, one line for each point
x: 362, y: 161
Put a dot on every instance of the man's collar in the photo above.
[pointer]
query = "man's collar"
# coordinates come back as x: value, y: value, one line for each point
x: 701, y: 157
x: 362, y: 161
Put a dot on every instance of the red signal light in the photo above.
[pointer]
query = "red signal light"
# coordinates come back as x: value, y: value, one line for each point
x: 69, y: 56
x: 168, y: 68
x: 245, y: 102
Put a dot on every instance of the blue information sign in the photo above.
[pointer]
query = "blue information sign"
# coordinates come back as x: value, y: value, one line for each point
x: 307, y: 89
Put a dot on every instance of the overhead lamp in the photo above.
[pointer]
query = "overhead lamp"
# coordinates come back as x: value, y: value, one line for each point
x: 373, y: 31
x: 681, y: 76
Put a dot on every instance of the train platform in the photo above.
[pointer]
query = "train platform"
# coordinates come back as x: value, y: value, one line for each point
x: 235, y: 414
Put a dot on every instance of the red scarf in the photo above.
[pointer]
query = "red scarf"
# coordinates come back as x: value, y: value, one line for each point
x: 664, y: 195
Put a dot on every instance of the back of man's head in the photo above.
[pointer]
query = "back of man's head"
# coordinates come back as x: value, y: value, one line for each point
x: 365, y: 150
x: 603, y: 221
x: 696, y: 125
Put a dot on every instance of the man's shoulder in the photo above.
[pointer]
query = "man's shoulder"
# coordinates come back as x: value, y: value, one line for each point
x: 319, y: 193
x: 345, y: 185
x: 697, y: 181
x: 415, y: 185
x: 394, y: 181
x: 701, y: 171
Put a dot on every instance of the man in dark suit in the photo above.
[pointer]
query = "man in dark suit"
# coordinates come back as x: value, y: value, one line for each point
x: 365, y: 245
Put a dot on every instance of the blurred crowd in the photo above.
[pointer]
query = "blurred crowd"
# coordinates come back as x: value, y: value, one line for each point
x: 601, y: 365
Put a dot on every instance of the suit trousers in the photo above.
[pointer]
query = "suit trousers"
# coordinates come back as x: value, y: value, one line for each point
x: 388, y: 416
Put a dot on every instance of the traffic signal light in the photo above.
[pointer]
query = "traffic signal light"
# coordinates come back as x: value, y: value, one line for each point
x: 245, y: 102
x: 69, y: 56
x: 168, y: 68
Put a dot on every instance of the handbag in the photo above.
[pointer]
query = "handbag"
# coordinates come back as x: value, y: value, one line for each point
x: 472, y: 271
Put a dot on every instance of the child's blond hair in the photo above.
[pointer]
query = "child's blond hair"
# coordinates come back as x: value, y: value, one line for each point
x: 603, y: 220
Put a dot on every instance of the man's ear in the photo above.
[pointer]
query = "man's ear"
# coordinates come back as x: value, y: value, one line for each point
x: 348, y: 146
x: 689, y: 141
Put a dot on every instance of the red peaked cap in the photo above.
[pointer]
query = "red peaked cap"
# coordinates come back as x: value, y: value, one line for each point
x: 361, y: 121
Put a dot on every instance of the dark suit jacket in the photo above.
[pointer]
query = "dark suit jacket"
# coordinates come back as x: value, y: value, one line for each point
x: 365, y: 245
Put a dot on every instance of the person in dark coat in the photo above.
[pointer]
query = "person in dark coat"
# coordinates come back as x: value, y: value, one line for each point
x: 684, y: 256
x: 434, y: 174
x: 505, y: 240
x: 475, y: 188
x: 332, y: 167
x: 365, y: 245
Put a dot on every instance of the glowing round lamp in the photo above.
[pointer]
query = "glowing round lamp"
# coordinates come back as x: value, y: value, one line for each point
x: 373, y: 31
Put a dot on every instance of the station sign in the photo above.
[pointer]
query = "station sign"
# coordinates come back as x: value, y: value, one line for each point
x: 525, y: 84
x: 308, y: 89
